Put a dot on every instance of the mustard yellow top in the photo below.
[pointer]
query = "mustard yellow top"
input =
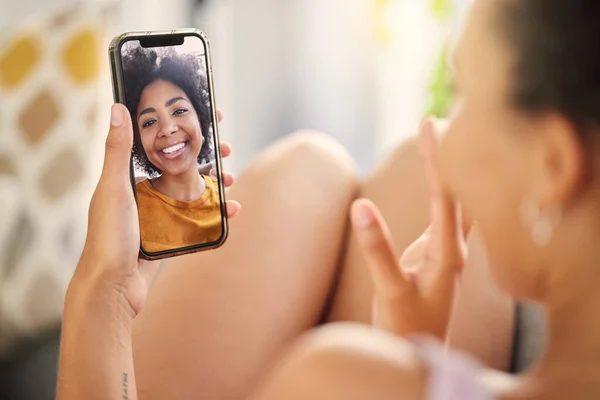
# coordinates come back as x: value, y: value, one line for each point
x: 167, y: 224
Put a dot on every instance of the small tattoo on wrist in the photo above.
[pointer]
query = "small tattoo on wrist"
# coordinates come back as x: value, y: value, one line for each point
x: 125, y: 387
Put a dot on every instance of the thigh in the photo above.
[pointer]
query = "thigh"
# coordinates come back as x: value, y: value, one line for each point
x: 483, y: 319
x: 214, y: 321
x: 397, y: 186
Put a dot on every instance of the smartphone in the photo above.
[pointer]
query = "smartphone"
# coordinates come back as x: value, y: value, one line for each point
x: 164, y: 78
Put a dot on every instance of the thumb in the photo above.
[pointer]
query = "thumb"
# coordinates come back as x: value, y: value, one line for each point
x: 119, y: 142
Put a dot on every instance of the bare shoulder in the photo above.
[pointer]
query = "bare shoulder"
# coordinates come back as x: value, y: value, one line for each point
x: 348, y: 361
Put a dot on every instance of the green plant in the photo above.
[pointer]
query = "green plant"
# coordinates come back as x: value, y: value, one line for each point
x: 440, y: 86
x: 440, y: 83
x: 441, y: 9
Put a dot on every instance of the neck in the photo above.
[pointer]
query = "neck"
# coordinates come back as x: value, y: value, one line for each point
x: 570, y: 366
x: 568, y: 288
x: 572, y: 298
x: 572, y: 356
x: 188, y: 186
x: 573, y: 332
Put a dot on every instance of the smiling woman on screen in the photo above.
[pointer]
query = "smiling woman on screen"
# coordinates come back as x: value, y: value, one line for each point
x: 167, y: 96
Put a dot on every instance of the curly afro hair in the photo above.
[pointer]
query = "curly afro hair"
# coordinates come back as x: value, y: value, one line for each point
x: 143, y: 66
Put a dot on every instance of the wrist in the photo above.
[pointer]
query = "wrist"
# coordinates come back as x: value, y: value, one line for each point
x: 96, y: 343
x: 92, y: 293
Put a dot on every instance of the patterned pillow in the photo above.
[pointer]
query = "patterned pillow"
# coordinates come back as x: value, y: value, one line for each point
x: 54, y: 85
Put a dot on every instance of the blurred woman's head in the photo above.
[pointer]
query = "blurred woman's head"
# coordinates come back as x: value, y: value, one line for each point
x: 167, y: 96
x: 522, y: 147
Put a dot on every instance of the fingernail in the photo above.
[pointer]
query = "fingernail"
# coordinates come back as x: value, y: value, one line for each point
x: 363, y: 217
x: 116, y: 115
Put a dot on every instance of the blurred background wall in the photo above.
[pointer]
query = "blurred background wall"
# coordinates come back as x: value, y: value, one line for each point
x: 360, y: 70
x: 364, y: 71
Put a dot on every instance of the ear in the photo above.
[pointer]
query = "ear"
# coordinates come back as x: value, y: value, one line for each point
x: 563, y: 161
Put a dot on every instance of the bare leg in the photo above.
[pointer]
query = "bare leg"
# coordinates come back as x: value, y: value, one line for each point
x: 484, y: 318
x: 215, y: 321
x: 346, y: 362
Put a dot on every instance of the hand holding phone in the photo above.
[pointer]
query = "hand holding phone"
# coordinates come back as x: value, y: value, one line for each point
x: 110, y: 284
x: 165, y: 81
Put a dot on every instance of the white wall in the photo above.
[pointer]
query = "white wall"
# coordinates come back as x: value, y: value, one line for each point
x: 141, y: 15
x: 405, y: 69
x: 333, y: 72
x: 286, y: 65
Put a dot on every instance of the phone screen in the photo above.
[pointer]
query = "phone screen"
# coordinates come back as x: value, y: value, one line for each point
x: 174, y: 158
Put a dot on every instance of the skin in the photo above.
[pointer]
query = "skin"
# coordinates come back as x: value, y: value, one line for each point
x: 493, y: 159
x: 523, y: 157
x: 165, y: 118
x: 490, y: 160
x: 109, y: 288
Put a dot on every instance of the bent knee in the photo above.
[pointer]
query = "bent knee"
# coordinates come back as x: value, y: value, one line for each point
x: 311, y: 154
x: 304, y: 143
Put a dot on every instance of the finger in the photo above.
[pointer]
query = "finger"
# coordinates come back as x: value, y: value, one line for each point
x: 219, y: 115
x: 440, y: 126
x: 228, y: 179
x: 206, y: 169
x: 467, y: 222
x: 374, y: 240
x: 414, y: 254
x: 428, y: 143
x: 415, y: 261
x: 225, y: 149
x: 446, y: 220
x: 233, y: 207
x: 463, y: 229
x: 119, y: 142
